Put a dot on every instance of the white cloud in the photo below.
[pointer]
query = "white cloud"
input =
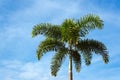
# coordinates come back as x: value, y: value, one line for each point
x: 16, y: 70
x: 12, y: 35
x: 19, y: 24
x: 30, y: 71
x: 44, y: 10
x: 15, y: 37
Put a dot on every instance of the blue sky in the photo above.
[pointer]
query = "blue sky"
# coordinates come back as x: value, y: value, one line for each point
x: 17, y: 47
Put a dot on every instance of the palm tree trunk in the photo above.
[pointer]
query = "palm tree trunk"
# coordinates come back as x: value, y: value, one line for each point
x: 70, y: 68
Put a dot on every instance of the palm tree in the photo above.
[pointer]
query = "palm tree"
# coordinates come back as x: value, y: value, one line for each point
x: 69, y: 40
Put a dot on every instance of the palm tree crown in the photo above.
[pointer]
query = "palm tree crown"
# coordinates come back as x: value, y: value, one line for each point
x: 69, y: 39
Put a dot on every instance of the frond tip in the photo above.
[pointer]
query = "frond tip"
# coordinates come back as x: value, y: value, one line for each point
x: 87, y: 58
x: 105, y: 58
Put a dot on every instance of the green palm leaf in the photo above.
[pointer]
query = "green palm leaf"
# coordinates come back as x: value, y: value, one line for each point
x: 69, y: 31
x: 57, y: 60
x: 47, y: 45
x: 87, y: 46
x: 89, y: 22
x: 48, y: 30
x: 87, y: 57
x: 77, y: 60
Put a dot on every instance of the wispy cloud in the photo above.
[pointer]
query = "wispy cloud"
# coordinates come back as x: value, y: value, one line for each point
x: 21, y: 40
x: 16, y: 70
x: 17, y: 47
x: 45, y: 10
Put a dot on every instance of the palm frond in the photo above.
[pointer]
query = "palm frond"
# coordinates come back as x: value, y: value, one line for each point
x: 47, y: 30
x: 89, y: 22
x: 47, y: 45
x: 57, y: 60
x: 69, y: 31
x: 94, y: 46
x: 77, y: 60
x: 105, y: 57
x: 87, y: 57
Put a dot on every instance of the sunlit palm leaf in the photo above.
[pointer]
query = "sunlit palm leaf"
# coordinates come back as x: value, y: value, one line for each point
x: 89, y: 22
x: 70, y: 31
